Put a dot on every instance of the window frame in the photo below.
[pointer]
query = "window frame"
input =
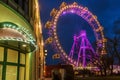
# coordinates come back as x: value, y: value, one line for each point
x: 4, y: 63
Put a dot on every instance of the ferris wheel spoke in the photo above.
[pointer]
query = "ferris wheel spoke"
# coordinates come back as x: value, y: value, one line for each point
x: 85, y: 44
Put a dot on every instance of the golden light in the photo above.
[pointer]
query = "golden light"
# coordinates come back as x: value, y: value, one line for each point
x: 24, y: 45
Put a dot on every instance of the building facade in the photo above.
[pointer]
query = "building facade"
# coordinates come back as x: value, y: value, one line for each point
x: 21, y: 43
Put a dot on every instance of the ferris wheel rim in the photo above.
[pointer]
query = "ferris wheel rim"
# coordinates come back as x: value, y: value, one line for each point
x: 78, y: 8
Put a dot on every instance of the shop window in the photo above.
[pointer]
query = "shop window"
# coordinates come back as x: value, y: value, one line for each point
x: 1, y: 53
x: 11, y: 73
x: 12, y: 68
x: 12, y: 56
x: 21, y: 73
x: 0, y: 72
x: 22, y: 58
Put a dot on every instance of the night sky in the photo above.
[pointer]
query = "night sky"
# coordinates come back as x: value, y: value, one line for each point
x: 107, y: 12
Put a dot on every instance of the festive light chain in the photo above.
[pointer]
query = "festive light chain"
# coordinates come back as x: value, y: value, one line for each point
x: 21, y: 30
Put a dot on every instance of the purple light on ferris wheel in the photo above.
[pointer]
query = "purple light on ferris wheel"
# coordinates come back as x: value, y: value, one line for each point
x: 100, y: 45
x: 83, y: 48
x: 83, y: 33
x: 72, y: 11
x: 64, y: 12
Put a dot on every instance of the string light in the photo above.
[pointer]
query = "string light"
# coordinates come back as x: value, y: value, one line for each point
x: 17, y: 33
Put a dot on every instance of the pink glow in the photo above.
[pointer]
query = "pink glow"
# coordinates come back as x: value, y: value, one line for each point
x: 64, y: 12
x: 72, y: 11
x: 83, y: 46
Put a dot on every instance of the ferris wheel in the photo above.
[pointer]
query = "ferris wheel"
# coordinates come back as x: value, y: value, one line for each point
x: 84, y: 13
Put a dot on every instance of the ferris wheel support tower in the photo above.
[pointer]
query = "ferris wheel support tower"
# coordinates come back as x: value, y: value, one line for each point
x: 84, y: 49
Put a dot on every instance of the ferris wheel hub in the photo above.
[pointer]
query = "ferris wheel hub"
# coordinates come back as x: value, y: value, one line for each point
x: 84, y: 13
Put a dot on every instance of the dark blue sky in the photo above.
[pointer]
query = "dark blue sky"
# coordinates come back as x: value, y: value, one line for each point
x: 107, y: 12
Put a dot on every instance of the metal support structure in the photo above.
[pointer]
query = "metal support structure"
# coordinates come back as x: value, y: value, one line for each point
x: 84, y: 49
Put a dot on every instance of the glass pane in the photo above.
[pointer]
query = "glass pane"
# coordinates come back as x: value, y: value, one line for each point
x: 22, y: 73
x: 11, y: 73
x: 22, y: 58
x: 12, y: 56
x: 0, y: 72
x: 1, y: 53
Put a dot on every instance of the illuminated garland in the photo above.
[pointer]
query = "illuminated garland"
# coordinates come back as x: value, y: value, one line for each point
x: 27, y: 36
